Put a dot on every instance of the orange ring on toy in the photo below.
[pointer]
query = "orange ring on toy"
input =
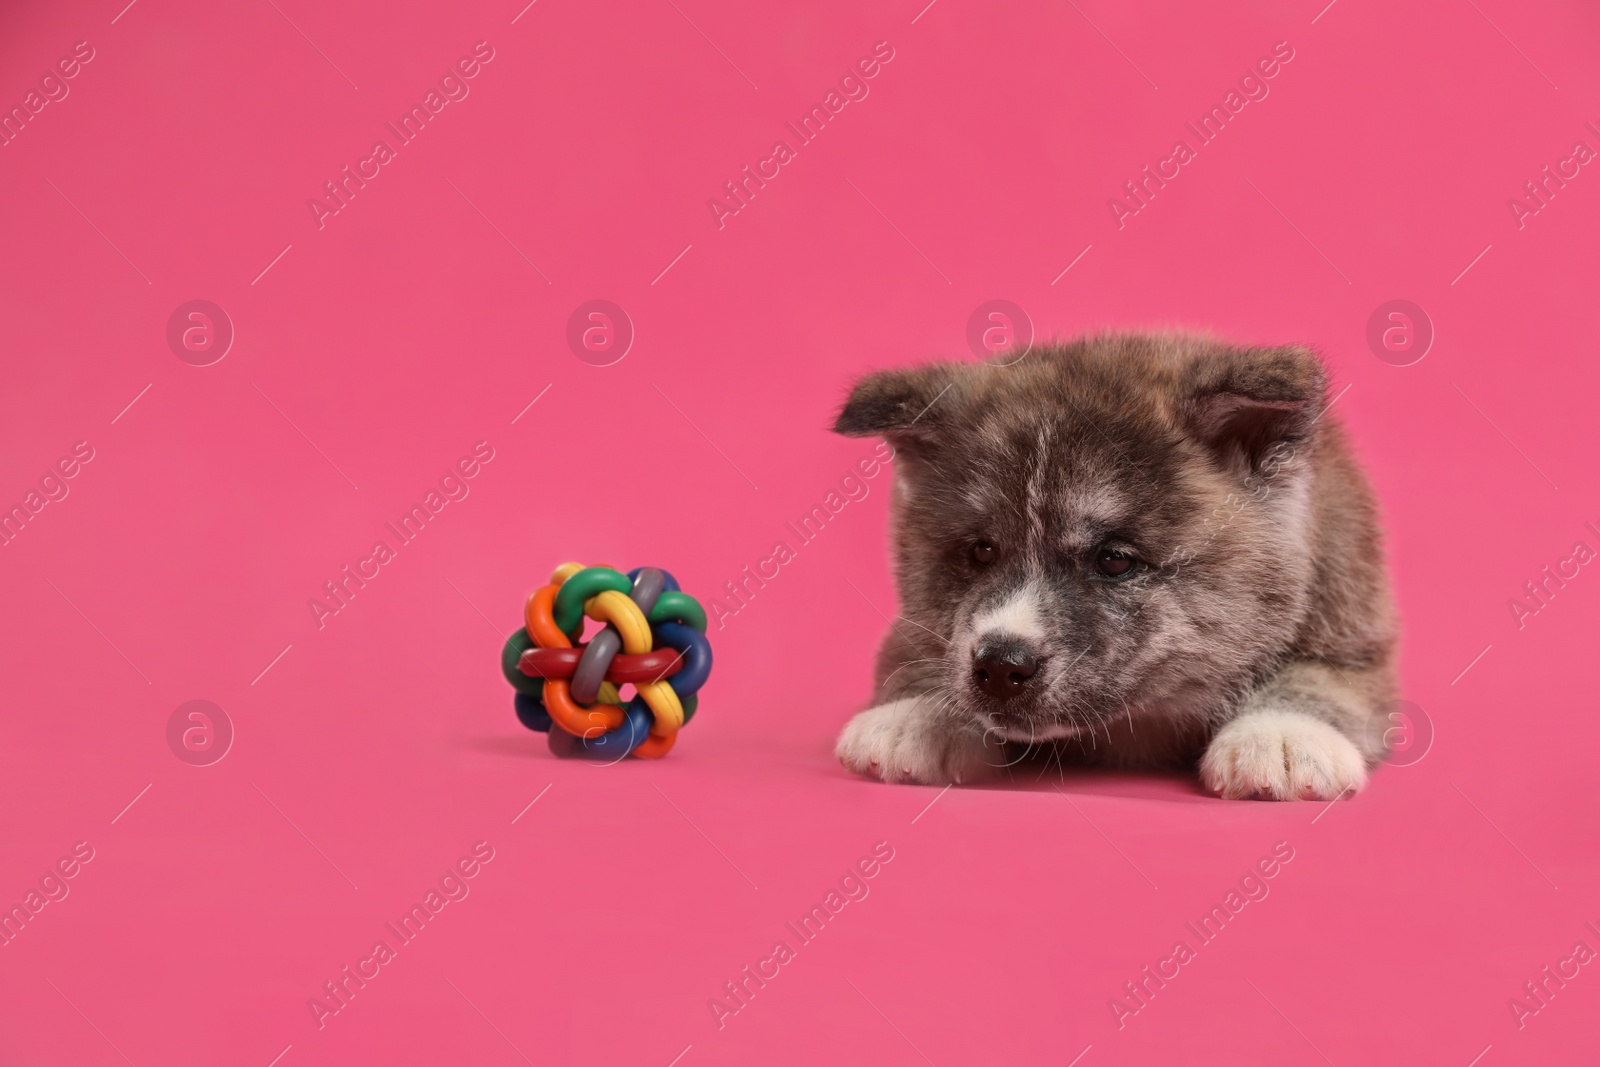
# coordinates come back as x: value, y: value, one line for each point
x: 655, y: 746
x: 540, y: 618
x: 575, y: 719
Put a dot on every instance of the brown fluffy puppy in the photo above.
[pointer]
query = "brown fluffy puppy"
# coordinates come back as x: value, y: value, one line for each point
x: 1135, y: 551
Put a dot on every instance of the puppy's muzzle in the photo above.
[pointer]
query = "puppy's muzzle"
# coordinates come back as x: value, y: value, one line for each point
x: 1003, y: 668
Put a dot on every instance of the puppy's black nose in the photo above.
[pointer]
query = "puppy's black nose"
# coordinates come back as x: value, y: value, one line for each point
x: 1002, y: 668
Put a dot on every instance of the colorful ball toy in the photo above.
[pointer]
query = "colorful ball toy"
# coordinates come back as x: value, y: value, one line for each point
x: 654, y: 639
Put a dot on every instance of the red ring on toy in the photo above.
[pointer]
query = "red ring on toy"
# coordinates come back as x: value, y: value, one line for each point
x: 624, y: 670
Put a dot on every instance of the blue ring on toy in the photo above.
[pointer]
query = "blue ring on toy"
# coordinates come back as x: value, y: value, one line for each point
x: 531, y: 713
x: 694, y: 648
x: 636, y: 723
x: 671, y: 582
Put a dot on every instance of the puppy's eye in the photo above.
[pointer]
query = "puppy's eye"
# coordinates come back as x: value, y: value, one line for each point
x: 1115, y: 563
x: 983, y: 553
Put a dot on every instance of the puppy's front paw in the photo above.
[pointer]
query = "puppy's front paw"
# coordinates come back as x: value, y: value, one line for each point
x: 1281, y: 755
x: 903, y: 741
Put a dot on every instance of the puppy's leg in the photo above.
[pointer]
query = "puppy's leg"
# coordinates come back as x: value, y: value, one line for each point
x: 1302, y: 735
x: 908, y: 740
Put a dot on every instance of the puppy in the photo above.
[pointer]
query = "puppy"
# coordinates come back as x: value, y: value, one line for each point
x: 1134, y: 551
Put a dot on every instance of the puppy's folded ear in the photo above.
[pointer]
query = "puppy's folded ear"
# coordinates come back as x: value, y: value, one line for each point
x: 896, y: 403
x: 1243, y: 402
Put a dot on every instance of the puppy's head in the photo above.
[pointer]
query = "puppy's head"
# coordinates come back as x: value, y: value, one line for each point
x: 1114, y: 527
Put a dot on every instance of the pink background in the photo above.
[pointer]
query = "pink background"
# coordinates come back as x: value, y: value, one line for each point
x: 376, y: 751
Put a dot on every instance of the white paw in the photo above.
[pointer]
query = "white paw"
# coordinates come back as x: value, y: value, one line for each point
x: 1281, y: 755
x: 904, y: 741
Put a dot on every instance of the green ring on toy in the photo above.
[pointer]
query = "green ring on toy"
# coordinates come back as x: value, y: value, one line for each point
x: 673, y: 606
x: 518, y: 643
x: 575, y: 592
